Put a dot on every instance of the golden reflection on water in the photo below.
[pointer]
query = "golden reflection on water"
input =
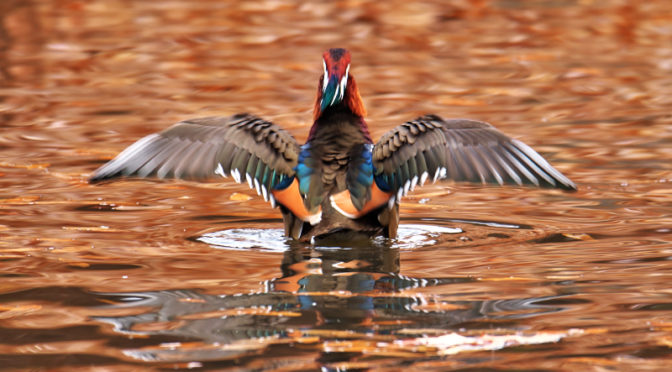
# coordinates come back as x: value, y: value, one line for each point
x: 588, y: 84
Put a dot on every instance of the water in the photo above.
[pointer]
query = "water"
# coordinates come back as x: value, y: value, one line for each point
x: 146, y: 275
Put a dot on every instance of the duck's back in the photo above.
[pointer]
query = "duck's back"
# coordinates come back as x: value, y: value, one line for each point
x: 337, y: 158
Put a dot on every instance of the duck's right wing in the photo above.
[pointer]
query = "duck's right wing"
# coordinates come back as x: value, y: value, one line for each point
x: 242, y: 146
x: 459, y: 150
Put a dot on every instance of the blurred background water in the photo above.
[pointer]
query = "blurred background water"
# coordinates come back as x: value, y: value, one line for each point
x: 147, y: 275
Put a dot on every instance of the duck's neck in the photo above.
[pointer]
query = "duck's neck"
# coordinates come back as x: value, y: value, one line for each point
x: 339, y: 120
x: 349, y: 111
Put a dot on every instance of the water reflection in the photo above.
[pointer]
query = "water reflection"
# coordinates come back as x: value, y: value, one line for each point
x: 339, y: 304
x: 20, y: 41
x: 588, y: 82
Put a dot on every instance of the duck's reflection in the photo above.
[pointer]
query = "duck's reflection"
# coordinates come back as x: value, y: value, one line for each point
x: 325, y: 295
x: 351, y: 287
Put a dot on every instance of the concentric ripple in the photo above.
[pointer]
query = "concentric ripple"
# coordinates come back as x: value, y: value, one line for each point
x: 409, y: 236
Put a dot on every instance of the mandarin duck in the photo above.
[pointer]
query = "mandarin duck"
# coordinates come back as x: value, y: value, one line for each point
x: 339, y: 180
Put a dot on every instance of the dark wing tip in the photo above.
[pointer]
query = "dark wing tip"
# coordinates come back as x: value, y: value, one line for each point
x: 108, y: 172
x: 102, y: 175
x: 567, y: 185
x: 546, y: 174
x: 98, y: 178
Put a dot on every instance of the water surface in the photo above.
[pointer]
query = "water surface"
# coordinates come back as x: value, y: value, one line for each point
x: 147, y: 275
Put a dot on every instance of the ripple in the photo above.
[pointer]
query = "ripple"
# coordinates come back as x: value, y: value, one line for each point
x: 247, y: 238
x: 415, y: 235
x: 409, y: 236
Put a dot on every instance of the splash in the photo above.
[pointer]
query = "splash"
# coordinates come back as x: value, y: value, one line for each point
x: 409, y: 236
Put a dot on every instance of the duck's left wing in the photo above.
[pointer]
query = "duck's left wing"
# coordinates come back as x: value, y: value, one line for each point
x: 242, y: 146
x: 430, y: 147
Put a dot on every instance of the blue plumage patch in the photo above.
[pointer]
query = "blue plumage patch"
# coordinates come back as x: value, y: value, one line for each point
x: 283, y: 182
x: 360, y: 174
x: 365, y: 169
x: 383, y: 182
x: 303, y: 170
x: 372, y: 173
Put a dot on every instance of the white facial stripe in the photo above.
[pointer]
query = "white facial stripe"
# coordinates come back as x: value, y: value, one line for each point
x: 336, y: 94
x: 325, y: 76
x: 344, y: 80
x: 341, y: 86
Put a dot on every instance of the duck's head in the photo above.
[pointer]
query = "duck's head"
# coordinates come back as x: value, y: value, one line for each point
x: 337, y: 86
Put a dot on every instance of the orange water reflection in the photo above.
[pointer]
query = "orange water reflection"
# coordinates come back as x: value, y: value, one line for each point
x: 588, y: 84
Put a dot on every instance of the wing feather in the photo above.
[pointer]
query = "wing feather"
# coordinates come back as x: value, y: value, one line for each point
x: 205, y: 148
x: 461, y: 150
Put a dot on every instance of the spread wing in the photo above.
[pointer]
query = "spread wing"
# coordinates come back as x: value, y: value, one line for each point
x: 242, y: 146
x: 460, y: 150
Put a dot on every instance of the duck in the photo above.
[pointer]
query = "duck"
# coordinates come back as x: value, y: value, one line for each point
x: 339, y: 180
